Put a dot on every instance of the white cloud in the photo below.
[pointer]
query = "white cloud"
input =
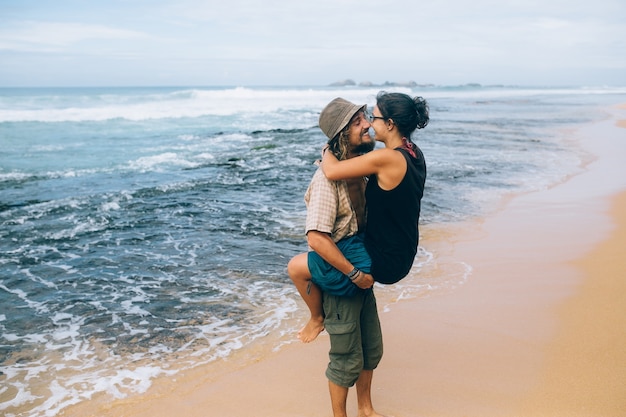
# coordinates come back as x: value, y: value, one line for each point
x: 277, y: 41
x: 53, y: 36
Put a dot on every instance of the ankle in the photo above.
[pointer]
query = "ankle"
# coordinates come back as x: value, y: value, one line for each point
x: 317, y: 318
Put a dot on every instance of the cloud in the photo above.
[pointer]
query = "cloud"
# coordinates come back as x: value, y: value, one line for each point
x: 36, y: 36
x: 278, y: 41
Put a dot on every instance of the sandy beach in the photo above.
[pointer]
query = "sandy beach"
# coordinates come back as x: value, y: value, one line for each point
x: 539, y: 329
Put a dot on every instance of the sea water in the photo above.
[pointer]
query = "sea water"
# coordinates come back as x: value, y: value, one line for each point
x: 147, y: 230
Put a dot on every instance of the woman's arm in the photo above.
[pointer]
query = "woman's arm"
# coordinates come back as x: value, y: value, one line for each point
x: 388, y: 165
x: 359, y: 166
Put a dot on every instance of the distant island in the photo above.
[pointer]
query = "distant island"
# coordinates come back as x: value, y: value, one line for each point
x: 349, y: 82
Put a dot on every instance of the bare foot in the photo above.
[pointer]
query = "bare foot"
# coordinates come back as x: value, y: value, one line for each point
x: 372, y: 414
x: 309, y: 332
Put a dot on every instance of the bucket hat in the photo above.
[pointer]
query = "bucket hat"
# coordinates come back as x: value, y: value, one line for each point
x: 337, y: 114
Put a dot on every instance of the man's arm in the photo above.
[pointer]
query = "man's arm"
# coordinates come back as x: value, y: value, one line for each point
x: 328, y: 250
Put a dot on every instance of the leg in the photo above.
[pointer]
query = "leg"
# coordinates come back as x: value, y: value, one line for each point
x: 339, y: 395
x: 364, y: 394
x: 346, y: 355
x: 338, y: 398
x: 372, y: 353
x: 298, y: 270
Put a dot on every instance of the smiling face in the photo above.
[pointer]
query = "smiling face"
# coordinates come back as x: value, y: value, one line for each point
x: 359, y: 138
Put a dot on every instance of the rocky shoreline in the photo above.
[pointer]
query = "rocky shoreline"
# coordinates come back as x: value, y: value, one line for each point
x: 350, y: 83
x: 409, y: 84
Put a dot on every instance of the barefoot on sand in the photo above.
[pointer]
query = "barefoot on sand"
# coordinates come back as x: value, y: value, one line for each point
x: 309, y: 332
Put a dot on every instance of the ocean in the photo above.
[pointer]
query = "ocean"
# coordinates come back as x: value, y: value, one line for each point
x: 145, y: 231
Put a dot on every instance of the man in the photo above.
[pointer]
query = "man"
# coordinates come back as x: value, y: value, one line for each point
x: 335, y: 216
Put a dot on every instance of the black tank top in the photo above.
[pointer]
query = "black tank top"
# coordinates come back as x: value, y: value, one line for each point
x: 392, y: 234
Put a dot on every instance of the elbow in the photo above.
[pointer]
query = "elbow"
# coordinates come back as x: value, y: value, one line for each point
x: 315, y: 240
x: 331, y: 166
x: 330, y: 173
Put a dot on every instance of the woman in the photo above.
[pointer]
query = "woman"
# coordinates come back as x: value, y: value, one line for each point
x: 397, y: 174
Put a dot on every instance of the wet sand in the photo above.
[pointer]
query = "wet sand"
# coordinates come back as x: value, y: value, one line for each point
x: 539, y: 329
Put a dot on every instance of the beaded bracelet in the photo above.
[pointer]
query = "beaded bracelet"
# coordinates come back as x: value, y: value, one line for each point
x: 353, y: 274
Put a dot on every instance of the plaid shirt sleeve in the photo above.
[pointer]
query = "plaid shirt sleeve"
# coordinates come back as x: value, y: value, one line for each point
x: 329, y: 209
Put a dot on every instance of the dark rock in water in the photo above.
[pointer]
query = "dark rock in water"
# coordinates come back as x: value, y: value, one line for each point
x: 344, y: 83
x: 409, y: 84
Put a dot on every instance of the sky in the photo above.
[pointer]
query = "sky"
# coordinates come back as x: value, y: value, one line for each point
x: 317, y: 42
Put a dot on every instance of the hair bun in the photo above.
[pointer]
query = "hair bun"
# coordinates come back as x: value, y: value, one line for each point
x: 421, y: 108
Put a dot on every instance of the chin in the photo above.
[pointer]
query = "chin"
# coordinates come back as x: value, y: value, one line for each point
x: 365, y: 147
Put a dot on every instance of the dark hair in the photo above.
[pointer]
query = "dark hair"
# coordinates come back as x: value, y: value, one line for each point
x: 407, y: 113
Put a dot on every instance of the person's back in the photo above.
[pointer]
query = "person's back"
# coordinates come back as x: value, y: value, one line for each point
x: 392, y: 233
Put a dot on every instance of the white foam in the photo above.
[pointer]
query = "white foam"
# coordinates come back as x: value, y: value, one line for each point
x: 23, y: 396
x: 14, y: 176
x: 110, y: 206
x: 419, y: 282
x: 225, y: 102
x: 38, y: 279
x: 40, y: 307
x: 186, y: 103
x: 57, y: 401
x: 131, y: 308
x: 149, y: 163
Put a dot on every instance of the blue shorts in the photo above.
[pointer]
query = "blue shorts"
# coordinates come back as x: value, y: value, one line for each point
x: 331, y: 280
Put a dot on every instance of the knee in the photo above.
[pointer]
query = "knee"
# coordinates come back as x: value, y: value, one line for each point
x: 346, y: 352
x: 292, y: 267
x: 344, y: 370
x: 297, y: 267
x: 372, y: 357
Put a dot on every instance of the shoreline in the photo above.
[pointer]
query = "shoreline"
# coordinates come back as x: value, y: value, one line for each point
x: 494, y: 346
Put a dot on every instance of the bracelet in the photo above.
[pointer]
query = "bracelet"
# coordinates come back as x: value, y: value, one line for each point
x: 353, y: 274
